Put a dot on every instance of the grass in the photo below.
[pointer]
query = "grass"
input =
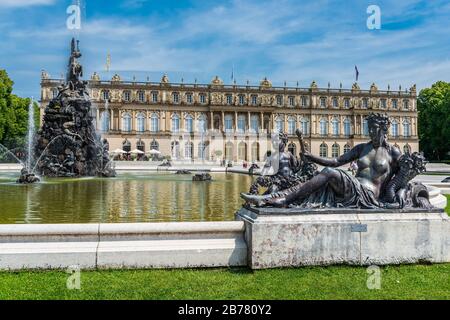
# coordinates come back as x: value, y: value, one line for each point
x: 447, y: 209
x: 334, y: 282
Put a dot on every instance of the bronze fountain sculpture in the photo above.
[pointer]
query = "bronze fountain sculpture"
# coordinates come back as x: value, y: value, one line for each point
x: 382, y: 180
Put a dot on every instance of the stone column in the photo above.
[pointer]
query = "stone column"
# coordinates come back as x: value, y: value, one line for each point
x: 262, y: 121
x: 235, y: 121
x: 111, y: 120
x: 249, y: 121
x: 98, y: 119
x: 211, y: 120
x: 223, y: 121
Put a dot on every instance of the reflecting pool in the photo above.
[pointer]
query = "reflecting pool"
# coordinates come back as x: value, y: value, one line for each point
x: 131, y: 197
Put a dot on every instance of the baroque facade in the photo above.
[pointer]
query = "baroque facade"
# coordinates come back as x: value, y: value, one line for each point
x: 236, y: 122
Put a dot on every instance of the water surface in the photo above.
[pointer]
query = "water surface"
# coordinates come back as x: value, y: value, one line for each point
x: 131, y: 197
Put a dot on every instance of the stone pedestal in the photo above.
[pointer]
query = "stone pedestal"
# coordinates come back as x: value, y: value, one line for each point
x: 298, y: 237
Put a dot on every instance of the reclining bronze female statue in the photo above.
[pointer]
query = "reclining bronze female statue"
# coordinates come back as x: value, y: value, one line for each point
x: 378, y: 164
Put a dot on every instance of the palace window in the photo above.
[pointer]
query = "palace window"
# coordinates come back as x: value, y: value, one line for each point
x: 202, y: 150
x: 126, y: 122
x: 279, y: 124
x: 126, y: 96
x: 202, y: 98
x: 141, y: 122
x: 394, y: 103
x: 291, y: 101
x: 394, y: 128
x: 105, y: 95
x: 383, y: 103
x: 54, y: 93
x: 175, y: 147
x: 241, y: 123
x: 292, y: 125
x: 406, y: 129
x: 407, y: 148
x: 323, y: 102
x: 305, y: 126
x: 365, y: 127
x: 323, y: 150
x: 154, y: 145
x: 188, y: 150
x: 254, y: 100
x: 189, y: 124
x: 365, y: 103
x: 175, y: 123
x: 335, y: 126
x: 241, y: 99
x: 347, y: 127
x: 229, y: 99
x: 323, y: 127
x: 189, y: 98
x: 141, y: 96
x: 254, y: 123
x: 405, y: 104
x: 154, y: 97
x: 176, y: 97
x: 140, y: 145
x: 126, y: 146
x: 154, y: 123
x: 202, y: 124
x: 228, y: 123
x: 347, y: 103
x: 335, y: 103
x: 304, y: 101
x: 279, y: 100
x: 335, y: 150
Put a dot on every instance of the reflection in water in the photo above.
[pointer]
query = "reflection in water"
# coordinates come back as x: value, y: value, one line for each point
x: 128, y: 198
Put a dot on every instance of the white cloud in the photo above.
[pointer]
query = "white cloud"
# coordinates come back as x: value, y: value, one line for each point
x: 24, y: 3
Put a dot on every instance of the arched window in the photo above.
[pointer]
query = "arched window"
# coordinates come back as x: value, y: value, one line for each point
x: 141, y: 122
x: 335, y: 126
x: 347, y: 148
x: 241, y: 123
x: 279, y: 124
x: 406, y: 128
x: 154, y: 145
x: 305, y: 126
x: 189, y: 123
x: 255, y: 151
x: 228, y: 123
x: 292, y: 125
x: 323, y: 127
x: 229, y: 151
x: 292, y: 148
x: 365, y: 127
x: 347, y: 127
x: 335, y: 150
x: 394, y: 128
x: 175, y: 123
x: 154, y: 123
x: 126, y: 122
x: 175, y: 148
x: 242, y: 151
x: 202, y: 123
x: 254, y: 123
x: 126, y: 145
x: 202, y: 150
x: 323, y: 150
x: 140, y: 145
x: 188, y: 150
x: 104, y: 121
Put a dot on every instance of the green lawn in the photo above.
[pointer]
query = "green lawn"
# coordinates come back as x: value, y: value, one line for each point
x: 335, y: 282
x: 448, y: 204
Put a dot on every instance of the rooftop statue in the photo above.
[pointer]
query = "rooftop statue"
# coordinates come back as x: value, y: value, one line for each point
x: 381, y: 181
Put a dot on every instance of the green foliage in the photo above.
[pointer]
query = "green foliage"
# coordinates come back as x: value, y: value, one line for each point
x: 434, y: 120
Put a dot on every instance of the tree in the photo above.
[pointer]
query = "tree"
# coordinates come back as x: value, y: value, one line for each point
x: 434, y: 120
x: 13, y: 114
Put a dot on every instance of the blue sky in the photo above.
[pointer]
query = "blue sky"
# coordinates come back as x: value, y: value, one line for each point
x: 284, y: 40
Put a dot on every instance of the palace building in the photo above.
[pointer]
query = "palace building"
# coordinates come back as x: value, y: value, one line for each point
x: 236, y: 122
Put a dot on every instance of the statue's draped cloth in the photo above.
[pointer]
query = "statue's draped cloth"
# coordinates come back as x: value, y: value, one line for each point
x: 353, y: 195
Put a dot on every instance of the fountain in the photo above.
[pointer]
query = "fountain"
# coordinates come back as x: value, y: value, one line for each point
x: 68, y: 120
